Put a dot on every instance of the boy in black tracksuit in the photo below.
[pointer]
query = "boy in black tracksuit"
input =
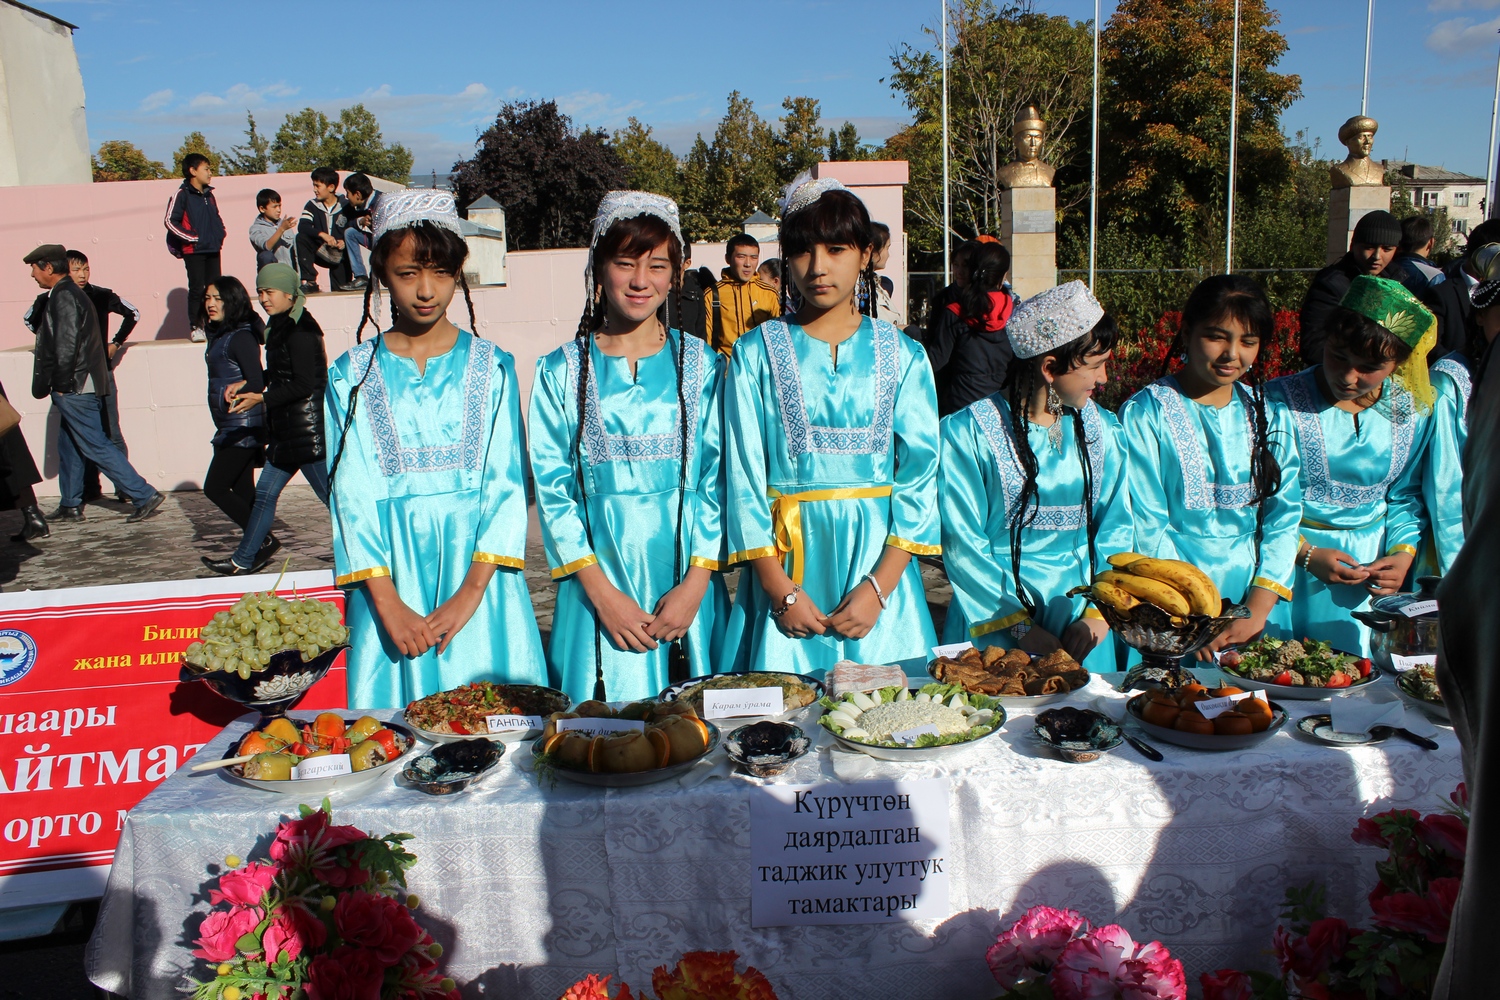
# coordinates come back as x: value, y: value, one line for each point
x: 195, y: 232
x: 323, y: 222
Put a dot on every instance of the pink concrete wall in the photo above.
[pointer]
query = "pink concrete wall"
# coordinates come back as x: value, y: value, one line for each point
x: 161, y: 377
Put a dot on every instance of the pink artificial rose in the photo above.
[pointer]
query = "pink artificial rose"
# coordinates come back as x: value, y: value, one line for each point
x: 1108, y: 963
x: 293, y: 930
x: 1445, y: 833
x: 1460, y: 795
x: 1309, y: 957
x: 244, y: 886
x: 1442, y: 894
x: 376, y: 922
x: 338, y: 872
x: 1030, y: 947
x: 312, y: 830
x: 1406, y: 911
x: 1226, y: 984
x: 221, y: 930
x: 1367, y: 832
x: 347, y: 974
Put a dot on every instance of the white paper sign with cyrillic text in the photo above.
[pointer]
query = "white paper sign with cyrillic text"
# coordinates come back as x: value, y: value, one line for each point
x: 511, y: 723
x: 738, y: 703
x: 601, y: 727
x: 868, y: 852
x: 1417, y: 609
x: 1212, y: 708
x: 323, y: 767
x: 1404, y: 663
x: 953, y: 650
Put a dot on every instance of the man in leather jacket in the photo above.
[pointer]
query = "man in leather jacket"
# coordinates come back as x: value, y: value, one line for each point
x: 70, y: 365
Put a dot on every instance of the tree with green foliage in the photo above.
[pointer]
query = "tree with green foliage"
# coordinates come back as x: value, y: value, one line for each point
x: 844, y: 144
x: 800, y: 142
x: 733, y: 176
x: 354, y: 141
x: 118, y: 160
x: 1165, y: 120
x: 196, y: 142
x: 251, y: 157
x: 1001, y: 59
x: 650, y: 164
x: 547, y: 175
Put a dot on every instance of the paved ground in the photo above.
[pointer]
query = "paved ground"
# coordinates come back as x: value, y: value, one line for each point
x: 104, y: 549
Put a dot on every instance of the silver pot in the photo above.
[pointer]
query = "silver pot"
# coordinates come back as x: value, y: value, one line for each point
x: 1403, y: 624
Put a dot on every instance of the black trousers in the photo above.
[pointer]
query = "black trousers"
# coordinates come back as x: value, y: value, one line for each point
x: 230, y: 481
x: 202, y: 271
x: 308, y: 263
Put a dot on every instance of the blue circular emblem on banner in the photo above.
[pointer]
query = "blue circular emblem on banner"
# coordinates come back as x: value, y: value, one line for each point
x: 17, y: 655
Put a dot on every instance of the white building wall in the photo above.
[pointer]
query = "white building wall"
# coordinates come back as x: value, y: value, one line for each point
x: 43, y: 133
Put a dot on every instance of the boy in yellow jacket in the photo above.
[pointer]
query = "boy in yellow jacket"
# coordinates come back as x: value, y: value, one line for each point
x: 741, y: 300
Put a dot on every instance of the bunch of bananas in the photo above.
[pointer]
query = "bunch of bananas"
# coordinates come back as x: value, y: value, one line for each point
x: 1178, y: 588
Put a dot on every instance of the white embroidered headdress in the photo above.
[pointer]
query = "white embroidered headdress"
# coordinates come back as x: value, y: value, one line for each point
x: 404, y: 209
x: 618, y: 205
x: 1048, y: 320
x: 803, y: 191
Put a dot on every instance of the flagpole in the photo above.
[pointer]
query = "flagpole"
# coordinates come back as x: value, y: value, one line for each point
x: 1364, y: 101
x: 1234, y: 108
x: 1094, y: 157
x: 947, y: 202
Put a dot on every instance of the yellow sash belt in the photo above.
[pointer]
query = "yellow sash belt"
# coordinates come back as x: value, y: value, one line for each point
x: 786, y: 518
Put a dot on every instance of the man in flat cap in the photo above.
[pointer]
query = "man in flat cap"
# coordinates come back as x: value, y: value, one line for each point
x: 70, y: 365
x: 1371, y: 249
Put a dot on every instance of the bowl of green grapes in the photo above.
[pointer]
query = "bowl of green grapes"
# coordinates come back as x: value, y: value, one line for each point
x: 266, y: 651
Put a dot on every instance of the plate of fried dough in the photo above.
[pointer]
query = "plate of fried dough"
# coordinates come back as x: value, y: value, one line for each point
x: 1012, y: 675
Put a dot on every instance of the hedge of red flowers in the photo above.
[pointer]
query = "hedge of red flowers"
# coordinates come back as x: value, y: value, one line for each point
x: 1323, y: 958
x: 326, y: 917
x: 1138, y: 359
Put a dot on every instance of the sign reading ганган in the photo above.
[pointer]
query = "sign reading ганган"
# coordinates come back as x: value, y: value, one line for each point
x: 863, y: 853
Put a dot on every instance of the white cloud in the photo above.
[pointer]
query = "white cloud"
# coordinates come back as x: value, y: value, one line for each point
x: 1463, y: 4
x: 242, y: 95
x: 157, y: 100
x: 1459, y: 35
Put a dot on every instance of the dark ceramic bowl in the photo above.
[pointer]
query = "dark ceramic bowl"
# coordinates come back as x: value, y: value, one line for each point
x: 273, y: 690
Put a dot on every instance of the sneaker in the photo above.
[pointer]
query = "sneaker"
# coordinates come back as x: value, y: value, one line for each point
x: 67, y: 514
x: 197, y: 336
x: 354, y: 285
x: 309, y: 288
x: 146, y: 509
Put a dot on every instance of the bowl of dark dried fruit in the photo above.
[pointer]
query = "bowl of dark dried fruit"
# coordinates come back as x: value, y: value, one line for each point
x: 1076, y: 735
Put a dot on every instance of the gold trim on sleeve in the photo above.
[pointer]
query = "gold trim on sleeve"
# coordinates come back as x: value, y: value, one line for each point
x: 914, y: 548
x: 574, y: 566
x: 749, y: 554
x: 712, y: 565
x: 1273, y: 587
x: 509, y: 562
x: 361, y: 575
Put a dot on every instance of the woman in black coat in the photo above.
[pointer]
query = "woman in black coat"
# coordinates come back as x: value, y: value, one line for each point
x: 233, y: 359
x: 968, y: 348
x: 296, y: 375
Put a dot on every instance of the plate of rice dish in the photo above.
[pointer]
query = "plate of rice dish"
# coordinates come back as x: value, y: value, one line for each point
x: 897, y: 723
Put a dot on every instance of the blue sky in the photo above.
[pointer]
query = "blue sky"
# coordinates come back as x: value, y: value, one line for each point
x: 156, y: 69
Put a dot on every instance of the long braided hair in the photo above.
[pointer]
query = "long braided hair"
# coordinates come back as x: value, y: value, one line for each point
x: 1235, y: 296
x: 837, y: 218
x: 627, y: 238
x: 433, y: 246
x: 1022, y: 380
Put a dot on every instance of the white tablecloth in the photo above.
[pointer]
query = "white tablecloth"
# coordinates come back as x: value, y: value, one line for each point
x: 530, y: 887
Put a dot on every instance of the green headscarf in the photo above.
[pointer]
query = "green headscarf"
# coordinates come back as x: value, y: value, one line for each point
x: 282, y: 278
x: 1388, y: 303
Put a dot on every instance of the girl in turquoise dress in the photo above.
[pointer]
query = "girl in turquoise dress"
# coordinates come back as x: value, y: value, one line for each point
x: 427, y: 496
x: 831, y: 447
x: 1362, y: 418
x: 1213, y: 467
x: 1033, y: 488
x: 630, y: 492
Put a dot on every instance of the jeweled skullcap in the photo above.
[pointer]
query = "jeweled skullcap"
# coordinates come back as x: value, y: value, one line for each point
x: 803, y: 191
x: 618, y: 205
x: 1050, y: 319
x: 404, y: 209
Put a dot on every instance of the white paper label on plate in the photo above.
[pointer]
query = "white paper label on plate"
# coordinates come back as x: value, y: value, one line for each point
x: 1212, y: 708
x: 1405, y: 663
x: 1419, y: 608
x: 510, y: 723
x: 737, y: 703
x: 908, y: 737
x: 953, y: 649
x: 323, y: 767
x: 601, y: 727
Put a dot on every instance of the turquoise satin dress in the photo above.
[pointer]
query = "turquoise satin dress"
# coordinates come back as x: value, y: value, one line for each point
x: 1361, y: 493
x: 1443, y: 464
x: 980, y: 487
x: 428, y: 484
x: 631, y: 455
x: 1191, y: 492
x: 800, y: 419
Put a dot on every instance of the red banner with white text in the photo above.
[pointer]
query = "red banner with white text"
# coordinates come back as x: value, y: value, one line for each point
x: 92, y: 717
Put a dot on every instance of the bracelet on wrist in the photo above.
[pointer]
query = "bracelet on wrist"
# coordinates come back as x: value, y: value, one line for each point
x: 1307, y: 558
x: 879, y: 594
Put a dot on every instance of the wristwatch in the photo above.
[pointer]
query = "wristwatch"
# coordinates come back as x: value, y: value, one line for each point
x: 786, y: 602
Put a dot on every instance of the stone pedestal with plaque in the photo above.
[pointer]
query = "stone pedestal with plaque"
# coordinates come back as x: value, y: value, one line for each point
x: 1028, y: 226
